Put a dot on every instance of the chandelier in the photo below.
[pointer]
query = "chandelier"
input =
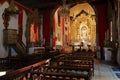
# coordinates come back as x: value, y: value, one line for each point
x: 65, y: 10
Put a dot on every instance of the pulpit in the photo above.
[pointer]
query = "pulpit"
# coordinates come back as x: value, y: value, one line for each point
x: 9, y: 36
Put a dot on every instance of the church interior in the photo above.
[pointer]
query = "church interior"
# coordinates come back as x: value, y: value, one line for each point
x: 59, y: 40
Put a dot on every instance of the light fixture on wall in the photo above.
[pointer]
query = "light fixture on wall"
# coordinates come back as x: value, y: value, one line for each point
x: 65, y: 10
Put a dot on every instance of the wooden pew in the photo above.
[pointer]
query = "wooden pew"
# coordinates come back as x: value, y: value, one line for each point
x: 85, y: 58
x: 88, y: 63
x: 9, y: 63
x: 63, y: 73
x: 23, y: 72
x: 61, y: 76
x: 82, y: 54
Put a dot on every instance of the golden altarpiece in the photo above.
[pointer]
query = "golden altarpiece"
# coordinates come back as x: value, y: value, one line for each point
x: 79, y: 26
x: 83, y: 25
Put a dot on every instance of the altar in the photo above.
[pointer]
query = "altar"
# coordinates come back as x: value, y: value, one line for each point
x: 37, y: 50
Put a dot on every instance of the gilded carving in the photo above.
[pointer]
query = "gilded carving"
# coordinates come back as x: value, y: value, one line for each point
x: 83, y: 26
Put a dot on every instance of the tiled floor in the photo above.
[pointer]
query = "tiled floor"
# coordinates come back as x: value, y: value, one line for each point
x: 104, y: 71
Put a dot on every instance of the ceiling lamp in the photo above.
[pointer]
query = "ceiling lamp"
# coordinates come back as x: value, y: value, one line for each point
x: 65, y: 10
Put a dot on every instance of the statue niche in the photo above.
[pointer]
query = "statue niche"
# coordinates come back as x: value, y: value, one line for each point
x: 84, y: 34
x: 33, y: 29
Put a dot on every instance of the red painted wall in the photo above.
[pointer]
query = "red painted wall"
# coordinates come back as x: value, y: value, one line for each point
x: 54, y: 38
x: 102, y: 22
x: 46, y: 27
x: 2, y: 1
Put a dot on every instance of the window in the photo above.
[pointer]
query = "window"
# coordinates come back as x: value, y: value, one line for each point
x: 111, y: 33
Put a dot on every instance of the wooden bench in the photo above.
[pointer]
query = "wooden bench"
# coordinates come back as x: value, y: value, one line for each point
x: 77, y: 63
x: 64, y: 69
x: 61, y: 76
x: 63, y: 73
x: 82, y: 54
x: 22, y: 73
x: 85, y: 58
x: 11, y: 62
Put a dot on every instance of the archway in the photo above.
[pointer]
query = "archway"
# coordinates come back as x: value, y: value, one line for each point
x: 79, y: 26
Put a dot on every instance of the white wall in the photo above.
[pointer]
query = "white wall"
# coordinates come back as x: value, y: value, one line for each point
x: 3, y: 49
x: 24, y: 27
x: 13, y: 24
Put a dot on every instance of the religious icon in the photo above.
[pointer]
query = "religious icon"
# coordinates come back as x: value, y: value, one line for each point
x: 33, y: 33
